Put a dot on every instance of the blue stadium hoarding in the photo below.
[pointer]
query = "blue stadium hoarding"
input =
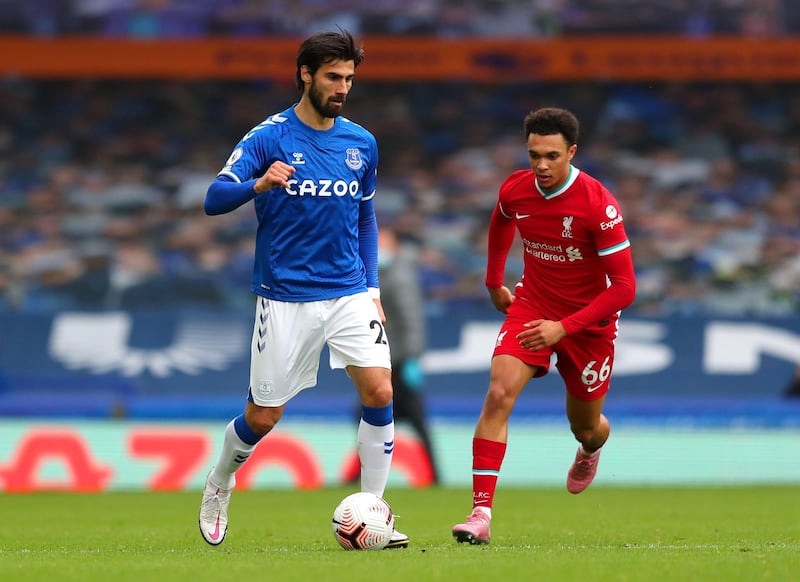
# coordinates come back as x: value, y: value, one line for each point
x: 194, y: 364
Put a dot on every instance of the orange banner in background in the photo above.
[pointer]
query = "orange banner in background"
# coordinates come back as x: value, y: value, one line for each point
x: 400, y: 59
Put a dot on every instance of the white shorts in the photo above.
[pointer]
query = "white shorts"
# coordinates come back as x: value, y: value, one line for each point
x: 288, y: 339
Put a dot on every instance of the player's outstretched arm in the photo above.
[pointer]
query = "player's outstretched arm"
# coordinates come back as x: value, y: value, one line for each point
x: 225, y: 195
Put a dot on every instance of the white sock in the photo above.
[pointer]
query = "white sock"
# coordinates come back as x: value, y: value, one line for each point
x: 375, y: 448
x: 586, y: 453
x: 232, y: 456
x: 487, y: 511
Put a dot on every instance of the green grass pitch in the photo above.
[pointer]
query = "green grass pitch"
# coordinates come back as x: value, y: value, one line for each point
x: 604, y: 534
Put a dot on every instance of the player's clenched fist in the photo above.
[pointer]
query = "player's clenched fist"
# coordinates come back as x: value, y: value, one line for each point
x: 276, y: 175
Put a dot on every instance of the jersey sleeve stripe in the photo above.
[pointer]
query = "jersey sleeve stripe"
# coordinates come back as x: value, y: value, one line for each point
x: 615, y: 249
x: 230, y: 175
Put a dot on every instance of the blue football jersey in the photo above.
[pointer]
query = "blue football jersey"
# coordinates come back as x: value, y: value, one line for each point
x: 307, y: 246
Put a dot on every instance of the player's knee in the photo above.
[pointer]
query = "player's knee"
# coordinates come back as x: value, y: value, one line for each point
x: 582, y: 434
x: 592, y: 437
x: 499, y: 397
x: 261, y: 419
x: 380, y: 396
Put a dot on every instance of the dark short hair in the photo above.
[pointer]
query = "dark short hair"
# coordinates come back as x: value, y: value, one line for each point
x: 325, y: 47
x: 552, y: 121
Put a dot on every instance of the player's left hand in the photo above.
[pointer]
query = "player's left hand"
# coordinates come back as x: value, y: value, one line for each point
x: 379, y: 305
x: 541, y: 333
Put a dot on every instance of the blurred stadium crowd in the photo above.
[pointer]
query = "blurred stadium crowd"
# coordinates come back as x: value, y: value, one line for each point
x: 103, y: 183
x: 441, y: 18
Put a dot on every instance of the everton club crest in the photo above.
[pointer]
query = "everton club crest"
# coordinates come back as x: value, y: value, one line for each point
x: 353, y: 160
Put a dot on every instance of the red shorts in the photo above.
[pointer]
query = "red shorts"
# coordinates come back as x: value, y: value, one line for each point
x: 583, y: 360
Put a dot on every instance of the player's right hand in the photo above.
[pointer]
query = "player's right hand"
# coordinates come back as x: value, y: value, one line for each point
x: 277, y: 174
x: 501, y: 298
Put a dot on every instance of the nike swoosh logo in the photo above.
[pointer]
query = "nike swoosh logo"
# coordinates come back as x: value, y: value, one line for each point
x: 591, y: 389
x: 521, y: 216
x: 215, y: 534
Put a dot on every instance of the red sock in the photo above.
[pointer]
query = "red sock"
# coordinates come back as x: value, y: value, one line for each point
x: 487, y: 456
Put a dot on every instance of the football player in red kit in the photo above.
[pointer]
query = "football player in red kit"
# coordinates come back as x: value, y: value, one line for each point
x: 578, y: 276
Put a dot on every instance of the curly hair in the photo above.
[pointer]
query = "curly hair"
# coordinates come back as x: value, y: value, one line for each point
x: 552, y: 121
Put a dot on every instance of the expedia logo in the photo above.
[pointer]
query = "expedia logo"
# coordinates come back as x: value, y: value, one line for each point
x: 322, y: 188
x: 611, y: 223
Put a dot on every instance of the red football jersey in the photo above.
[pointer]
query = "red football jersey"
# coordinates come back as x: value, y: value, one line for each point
x: 565, y: 235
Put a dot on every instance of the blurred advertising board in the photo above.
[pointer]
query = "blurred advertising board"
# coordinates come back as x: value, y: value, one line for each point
x: 623, y: 58
x: 195, y: 364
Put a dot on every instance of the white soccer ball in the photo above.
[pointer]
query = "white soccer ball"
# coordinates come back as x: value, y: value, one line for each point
x: 363, y: 521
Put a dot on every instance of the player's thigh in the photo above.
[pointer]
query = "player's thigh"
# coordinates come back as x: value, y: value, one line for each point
x: 285, y: 350
x: 508, y: 376
x: 586, y: 362
x: 507, y: 343
x: 355, y: 334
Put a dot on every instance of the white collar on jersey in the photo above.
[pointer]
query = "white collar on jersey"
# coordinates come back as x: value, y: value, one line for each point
x: 573, y: 175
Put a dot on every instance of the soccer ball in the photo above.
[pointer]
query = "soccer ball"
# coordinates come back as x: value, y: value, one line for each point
x: 363, y: 521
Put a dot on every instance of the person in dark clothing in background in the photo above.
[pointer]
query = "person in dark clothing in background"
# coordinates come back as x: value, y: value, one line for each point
x: 403, y: 303
x: 792, y: 390
x: 404, y: 306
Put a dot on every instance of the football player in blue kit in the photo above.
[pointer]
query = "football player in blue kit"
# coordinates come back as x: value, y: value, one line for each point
x: 311, y: 175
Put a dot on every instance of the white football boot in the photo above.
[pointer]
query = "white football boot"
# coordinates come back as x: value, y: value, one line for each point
x: 214, y: 513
